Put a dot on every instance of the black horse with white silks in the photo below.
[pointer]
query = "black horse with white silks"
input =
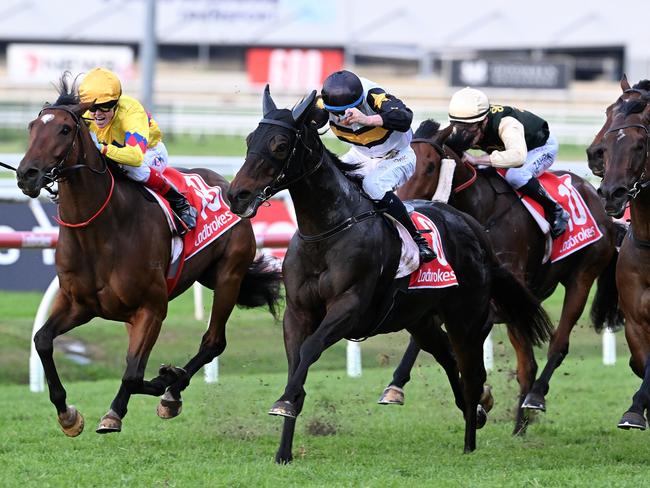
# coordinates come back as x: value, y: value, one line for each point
x: 340, y: 266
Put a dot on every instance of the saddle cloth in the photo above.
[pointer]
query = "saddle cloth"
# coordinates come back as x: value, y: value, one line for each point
x: 213, y: 220
x: 582, y: 229
x: 434, y: 274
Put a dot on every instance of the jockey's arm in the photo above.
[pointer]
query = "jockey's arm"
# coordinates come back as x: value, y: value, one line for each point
x: 511, y: 132
x: 136, y: 134
x: 391, y: 112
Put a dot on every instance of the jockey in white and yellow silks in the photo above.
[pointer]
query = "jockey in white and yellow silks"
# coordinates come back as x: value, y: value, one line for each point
x: 125, y: 133
x: 378, y: 127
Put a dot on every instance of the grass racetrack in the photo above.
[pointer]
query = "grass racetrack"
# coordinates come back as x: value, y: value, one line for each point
x: 343, y: 438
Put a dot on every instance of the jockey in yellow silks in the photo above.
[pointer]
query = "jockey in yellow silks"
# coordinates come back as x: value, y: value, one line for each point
x: 124, y: 132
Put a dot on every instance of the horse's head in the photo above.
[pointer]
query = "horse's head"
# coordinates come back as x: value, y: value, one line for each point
x: 595, y: 150
x: 53, y: 137
x: 428, y: 141
x: 625, y: 151
x: 274, y: 154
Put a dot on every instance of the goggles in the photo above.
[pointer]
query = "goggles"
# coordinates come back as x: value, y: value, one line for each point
x: 103, y: 107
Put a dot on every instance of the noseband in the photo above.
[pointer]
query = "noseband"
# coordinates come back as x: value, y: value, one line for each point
x: 639, y: 184
x: 279, y: 182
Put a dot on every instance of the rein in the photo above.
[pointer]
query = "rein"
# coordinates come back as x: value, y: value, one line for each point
x: 442, y: 152
x: 58, y: 171
x: 279, y: 184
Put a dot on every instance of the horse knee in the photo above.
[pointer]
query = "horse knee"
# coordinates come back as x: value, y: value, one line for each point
x: 132, y: 383
x: 43, y: 342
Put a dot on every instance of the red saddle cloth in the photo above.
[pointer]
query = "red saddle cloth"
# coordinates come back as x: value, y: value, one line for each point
x: 582, y: 229
x: 437, y: 273
x: 213, y: 220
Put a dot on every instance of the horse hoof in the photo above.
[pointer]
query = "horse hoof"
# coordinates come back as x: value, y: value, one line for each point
x: 481, y: 417
x: 487, y: 400
x: 111, y: 422
x: 392, y: 395
x: 169, y: 407
x: 71, y: 422
x: 534, y: 401
x: 283, y: 408
x: 632, y: 420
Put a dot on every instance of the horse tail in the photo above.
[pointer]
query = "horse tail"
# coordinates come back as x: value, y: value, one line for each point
x: 604, y: 308
x: 517, y: 305
x: 261, y: 286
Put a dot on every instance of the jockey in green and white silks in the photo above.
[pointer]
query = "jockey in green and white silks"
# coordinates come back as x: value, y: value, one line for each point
x: 511, y: 138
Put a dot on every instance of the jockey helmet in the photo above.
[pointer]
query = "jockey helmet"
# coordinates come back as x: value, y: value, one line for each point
x: 468, y: 105
x: 100, y: 86
x: 342, y: 90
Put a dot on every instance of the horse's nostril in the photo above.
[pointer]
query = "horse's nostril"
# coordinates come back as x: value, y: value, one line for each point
x: 620, y: 193
x: 600, y: 192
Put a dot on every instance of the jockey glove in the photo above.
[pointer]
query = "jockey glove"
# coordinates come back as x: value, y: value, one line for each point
x: 98, y: 145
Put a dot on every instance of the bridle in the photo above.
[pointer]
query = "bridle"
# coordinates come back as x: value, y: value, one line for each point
x: 279, y: 182
x: 58, y: 171
x: 442, y: 152
x: 640, y: 182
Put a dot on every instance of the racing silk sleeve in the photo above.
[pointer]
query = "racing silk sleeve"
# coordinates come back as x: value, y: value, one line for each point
x: 134, y: 124
x: 511, y: 132
x: 394, y: 114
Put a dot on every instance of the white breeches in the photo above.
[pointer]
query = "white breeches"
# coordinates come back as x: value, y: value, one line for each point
x: 537, y: 161
x: 381, y: 175
x: 156, y: 157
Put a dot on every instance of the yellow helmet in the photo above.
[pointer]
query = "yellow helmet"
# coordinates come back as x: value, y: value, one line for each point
x: 100, y: 86
x: 468, y: 105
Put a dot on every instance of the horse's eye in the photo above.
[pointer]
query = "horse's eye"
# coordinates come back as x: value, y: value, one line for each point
x: 65, y: 130
x: 282, y: 147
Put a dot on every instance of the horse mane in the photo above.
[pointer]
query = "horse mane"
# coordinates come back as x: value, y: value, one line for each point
x: 349, y: 170
x: 427, y: 129
x: 642, y: 85
x: 67, y: 89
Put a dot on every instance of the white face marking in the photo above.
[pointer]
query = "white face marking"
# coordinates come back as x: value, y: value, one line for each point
x: 46, y: 118
x: 621, y: 135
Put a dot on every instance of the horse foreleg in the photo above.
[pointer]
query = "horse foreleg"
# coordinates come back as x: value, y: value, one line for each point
x: 526, y: 371
x: 638, y: 339
x: 393, y: 394
x: 305, y: 351
x: 65, y: 316
x: 143, y: 334
x: 575, y: 298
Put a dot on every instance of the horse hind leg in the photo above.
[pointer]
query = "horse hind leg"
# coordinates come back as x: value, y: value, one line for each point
x: 393, y: 394
x: 226, y: 291
x: 526, y: 371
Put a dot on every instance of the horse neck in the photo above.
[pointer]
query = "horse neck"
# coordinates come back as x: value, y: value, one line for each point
x: 83, y: 191
x: 640, y: 214
x: 477, y: 199
x: 324, y: 198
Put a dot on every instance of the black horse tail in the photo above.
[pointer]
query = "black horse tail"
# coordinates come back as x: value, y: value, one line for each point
x: 604, y: 308
x: 519, y: 307
x: 261, y: 286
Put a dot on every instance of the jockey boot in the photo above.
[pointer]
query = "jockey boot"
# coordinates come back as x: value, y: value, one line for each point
x: 395, y: 208
x: 557, y: 217
x: 184, y: 212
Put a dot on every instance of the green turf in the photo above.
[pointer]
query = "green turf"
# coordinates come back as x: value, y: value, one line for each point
x: 224, y: 437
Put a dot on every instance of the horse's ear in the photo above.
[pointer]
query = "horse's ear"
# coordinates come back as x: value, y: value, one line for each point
x: 625, y: 85
x: 82, y: 108
x: 268, y: 105
x: 302, y: 108
x: 442, y: 135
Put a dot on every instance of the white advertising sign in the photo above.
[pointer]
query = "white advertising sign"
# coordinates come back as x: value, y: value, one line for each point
x: 44, y: 63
